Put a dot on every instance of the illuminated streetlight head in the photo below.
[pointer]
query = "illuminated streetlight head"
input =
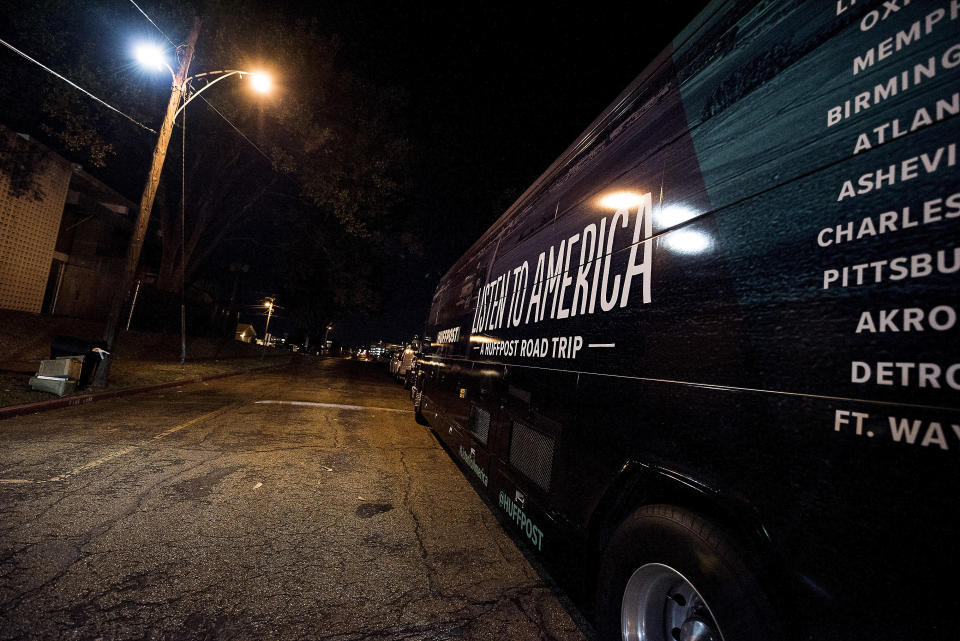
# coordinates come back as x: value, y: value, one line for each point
x: 261, y: 81
x: 151, y: 56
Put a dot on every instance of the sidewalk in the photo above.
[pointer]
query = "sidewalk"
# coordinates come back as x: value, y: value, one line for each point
x: 143, y: 360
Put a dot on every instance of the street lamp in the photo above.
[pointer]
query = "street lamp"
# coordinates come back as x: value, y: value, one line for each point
x: 269, y: 304
x: 266, y: 330
x: 151, y: 56
x: 149, y: 192
x: 260, y: 81
x: 325, y: 348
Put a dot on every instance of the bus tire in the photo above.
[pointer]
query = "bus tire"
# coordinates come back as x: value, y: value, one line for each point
x: 416, y: 395
x: 418, y: 404
x: 669, y: 574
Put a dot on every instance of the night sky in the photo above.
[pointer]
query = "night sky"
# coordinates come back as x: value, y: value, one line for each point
x: 497, y: 92
x: 492, y: 94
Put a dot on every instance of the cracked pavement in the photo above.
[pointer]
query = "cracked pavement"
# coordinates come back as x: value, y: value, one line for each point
x: 198, y: 513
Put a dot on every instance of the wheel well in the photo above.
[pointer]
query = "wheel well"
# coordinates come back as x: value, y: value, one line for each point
x: 640, y: 484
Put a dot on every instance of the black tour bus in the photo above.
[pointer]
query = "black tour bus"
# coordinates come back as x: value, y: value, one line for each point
x: 707, y: 364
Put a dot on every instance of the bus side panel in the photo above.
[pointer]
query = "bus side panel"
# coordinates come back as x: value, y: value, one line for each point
x: 743, y: 276
x: 855, y: 521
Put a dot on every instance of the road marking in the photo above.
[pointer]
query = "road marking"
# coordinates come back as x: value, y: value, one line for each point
x: 93, y: 464
x: 334, y: 406
x: 192, y: 421
x: 115, y: 455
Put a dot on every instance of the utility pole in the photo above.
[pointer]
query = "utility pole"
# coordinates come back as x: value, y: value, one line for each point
x: 146, y: 204
x: 266, y: 330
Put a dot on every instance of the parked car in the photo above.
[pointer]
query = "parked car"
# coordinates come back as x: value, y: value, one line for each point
x: 406, y: 361
x: 395, y: 357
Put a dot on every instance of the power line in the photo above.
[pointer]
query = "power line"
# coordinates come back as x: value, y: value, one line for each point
x: 237, y: 129
x: 217, y: 111
x: 153, y: 23
x: 76, y: 86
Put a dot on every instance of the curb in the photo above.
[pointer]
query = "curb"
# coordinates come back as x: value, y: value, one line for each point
x: 56, y: 403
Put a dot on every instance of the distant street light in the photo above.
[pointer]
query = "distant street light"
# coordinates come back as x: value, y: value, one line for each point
x: 152, y: 57
x: 329, y: 327
x: 266, y: 330
x: 268, y: 303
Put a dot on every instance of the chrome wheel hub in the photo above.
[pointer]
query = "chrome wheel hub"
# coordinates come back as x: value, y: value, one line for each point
x: 660, y: 604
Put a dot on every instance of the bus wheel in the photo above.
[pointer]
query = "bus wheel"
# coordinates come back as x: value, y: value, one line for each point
x: 418, y: 405
x: 417, y: 399
x: 669, y: 575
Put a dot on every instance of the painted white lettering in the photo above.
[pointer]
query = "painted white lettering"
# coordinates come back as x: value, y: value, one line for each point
x: 901, y: 40
x: 904, y: 430
x: 581, y: 291
x: 905, y: 374
x: 931, y: 162
x: 642, y: 227
x: 566, y: 280
x: 934, y: 436
x: 898, y: 83
x: 606, y: 304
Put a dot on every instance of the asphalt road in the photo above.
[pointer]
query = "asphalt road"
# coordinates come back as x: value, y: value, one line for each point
x: 302, y: 503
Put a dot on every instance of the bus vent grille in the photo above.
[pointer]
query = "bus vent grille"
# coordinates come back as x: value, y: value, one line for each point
x: 479, y: 423
x: 532, y: 453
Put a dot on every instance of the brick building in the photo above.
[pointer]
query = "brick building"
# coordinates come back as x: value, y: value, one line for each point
x: 63, y: 233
